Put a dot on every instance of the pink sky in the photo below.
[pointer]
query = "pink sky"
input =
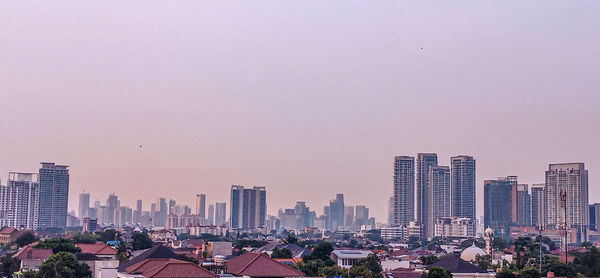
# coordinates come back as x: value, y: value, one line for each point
x: 307, y: 98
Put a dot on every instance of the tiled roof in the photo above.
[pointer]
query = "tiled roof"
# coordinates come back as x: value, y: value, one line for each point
x: 179, y: 269
x: 456, y: 265
x: 259, y: 265
x: 7, y: 231
x: 147, y: 264
x: 157, y: 251
x: 29, y: 252
x: 98, y: 248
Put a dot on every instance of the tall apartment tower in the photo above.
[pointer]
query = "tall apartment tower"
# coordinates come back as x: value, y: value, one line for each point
x: 439, y: 196
x: 248, y: 207
x: 19, y: 201
x: 112, y: 203
x: 462, y: 186
x: 522, y: 203
x: 201, y: 205
x: 54, y: 195
x: 497, y: 205
x: 84, y: 205
x: 538, y: 207
x: 137, y: 214
x: 424, y: 162
x: 404, y: 190
x: 211, y: 214
x: 572, y: 178
x: 220, y: 213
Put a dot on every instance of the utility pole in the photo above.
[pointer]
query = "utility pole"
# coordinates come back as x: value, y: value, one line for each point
x: 541, y: 229
x: 563, y: 201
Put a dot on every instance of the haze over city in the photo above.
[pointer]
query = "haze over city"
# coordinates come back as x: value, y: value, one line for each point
x: 307, y: 99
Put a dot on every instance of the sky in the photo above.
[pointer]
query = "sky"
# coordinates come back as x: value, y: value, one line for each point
x: 308, y: 98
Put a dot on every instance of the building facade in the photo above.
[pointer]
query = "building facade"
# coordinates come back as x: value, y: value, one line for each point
x: 538, y: 207
x: 19, y: 201
x: 248, y: 207
x: 463, y: 186
x: 439, y: 196
x: 454, y: 227
x: 404, y: 190
x: 54, y: 195
x: 424, y: 163
x: 570, y: 179
x: 497, y: 205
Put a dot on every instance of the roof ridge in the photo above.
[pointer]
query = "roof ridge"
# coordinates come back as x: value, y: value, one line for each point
x: 251, y: 261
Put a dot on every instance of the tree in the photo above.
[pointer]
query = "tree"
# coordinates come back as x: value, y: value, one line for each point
x: 506, y: 273
x: 560, y: 270
x: 437, y: 272
x: 63, y: 264
x: 499, y: 243
x: 26, y: 238
x: 427, y: 260
x: 58, y: 245
x: 107, y: 235
x: 589, y: 263
x: 374, y: 265
x: 483, y: 261
x: 530, y: 273
x: 9, y: 265
x: 283, y: 253
x: 291, y: 239
x: 140, y: 241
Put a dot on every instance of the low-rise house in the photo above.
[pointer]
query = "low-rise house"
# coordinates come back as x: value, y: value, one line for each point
x: 347, y: 258
x: 99, y: 249
x: 100, y: 267
x: 165, y: 268
x: 460, y: 268
x: 297, y: 251
x: 259, y: 265
x: 8, y: 235
x: 31, y: 258
x: 157, y: 251
x: 218, y: 248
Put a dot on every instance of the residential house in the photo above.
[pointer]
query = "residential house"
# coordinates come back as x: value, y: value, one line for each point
x: 259, y: 265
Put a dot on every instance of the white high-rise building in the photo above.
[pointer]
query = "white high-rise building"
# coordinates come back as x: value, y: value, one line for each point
x: 439, y: 196
x: 404, y: 190
x: 20, y: 201
x: 462, y: 189
x: 572, y: 179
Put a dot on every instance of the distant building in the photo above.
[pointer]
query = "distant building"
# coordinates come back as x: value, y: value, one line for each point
x: 594, y: 216
x: 336, y: 212
x: 424, y: 163
x: 393, y: 232
x: 84, y: 205
x: 454, y: 227
x: 497, y: 205
x: 248, y: 207
x: 54, y: 195
x: 572, y: 178
x: 348, y: 258
x: 521, y: 205
x: 201, y: 205
x: 404, y: 190
x: 220, y: 213
x: 89, y: 225
x: 538, y: 206
x: 20, y: 201
x: 211, y: 214
x: 439, y: 196
x: 462, y: 186
x: 362, y: 216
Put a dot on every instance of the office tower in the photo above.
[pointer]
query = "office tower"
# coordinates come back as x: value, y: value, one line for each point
x: 54, y: 195
x: 594, y: 214
x: 220, y: 214
x: 248, y: 207
x: 187, y: 210
x: 84, y: 205
x: 462, y: 188
x: 93, y: 213
x: 161, y: 211
x: 522, y: 202
x: 153, y: 214
x: 572, y: 179
x: 424, y: 162
x: 538, y: 205
x: 497, y: 205
x: 362, y: 216
x: 137, y: 214
x: 171, y: 206
x: 336, y: 212
x: 390, y: 210
x: 349, y: 216
x: 404, y: 190
x: 439, y: 197
x: 211, y: 214
x: 302, y: 213
x: 122, y: 216
x: 19, y: 201
x: 201, y: 205
x: 111, y: 203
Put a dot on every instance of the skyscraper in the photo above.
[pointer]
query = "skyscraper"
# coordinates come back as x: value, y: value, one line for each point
x: 211, y: 214
x: 172, y: 205
x: 54, y: 195
x: 538, y: 205
x: 462, y: 189
x: 439, y: 196
x: 201, y: 205
x: 220, y: 213
x: 424, y: 162
x: 84, y: 205
x: 19, y: 201
x: 349, y: 216
x: 137, y: 214
x: 572, y: 178
x: 248, y: 207
x: 362, y: 216
x: 404, y: 190
x: 497, y: 205
x: 523, y: 205
x: 336, y: 212
x: 111, y: 205
x: 161, y: 207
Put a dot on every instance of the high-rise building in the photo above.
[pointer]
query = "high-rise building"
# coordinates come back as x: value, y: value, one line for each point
x: 572, y: 179
x: 201, y: 205
x: 404, y: 190
x: 172, y: 205
x: 424, y: 162
x: 538, y: 207
x: 523, y: 205
x: 362, y: 216
x: 54, y: 195
x: 137, y: 214
x: 220, y: 214
x: 161, y: 211
x: 336, y: 212
x: 19, y: 201
x: 497, y: 205
x: 390, y: 210
x: 111, y: 204
x: 84, y: 205
x: 349, y: 216
x: 211, y: 214
x: 439, y: 197
x: 462, y: 188
x: 594, y: 216
x: 248, y: 207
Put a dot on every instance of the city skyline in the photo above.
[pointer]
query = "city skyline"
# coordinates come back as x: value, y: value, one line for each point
x: 295, y: 96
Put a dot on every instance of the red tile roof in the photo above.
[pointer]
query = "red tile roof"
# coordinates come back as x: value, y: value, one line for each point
x: 29, y: 252
x: 178, y: 269
x: 259, y: 265
x: 98, y: 248
x: 8, y: 231
x: 147, y: 264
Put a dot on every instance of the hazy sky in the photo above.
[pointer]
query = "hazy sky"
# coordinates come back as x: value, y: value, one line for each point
x: 308, y: 98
